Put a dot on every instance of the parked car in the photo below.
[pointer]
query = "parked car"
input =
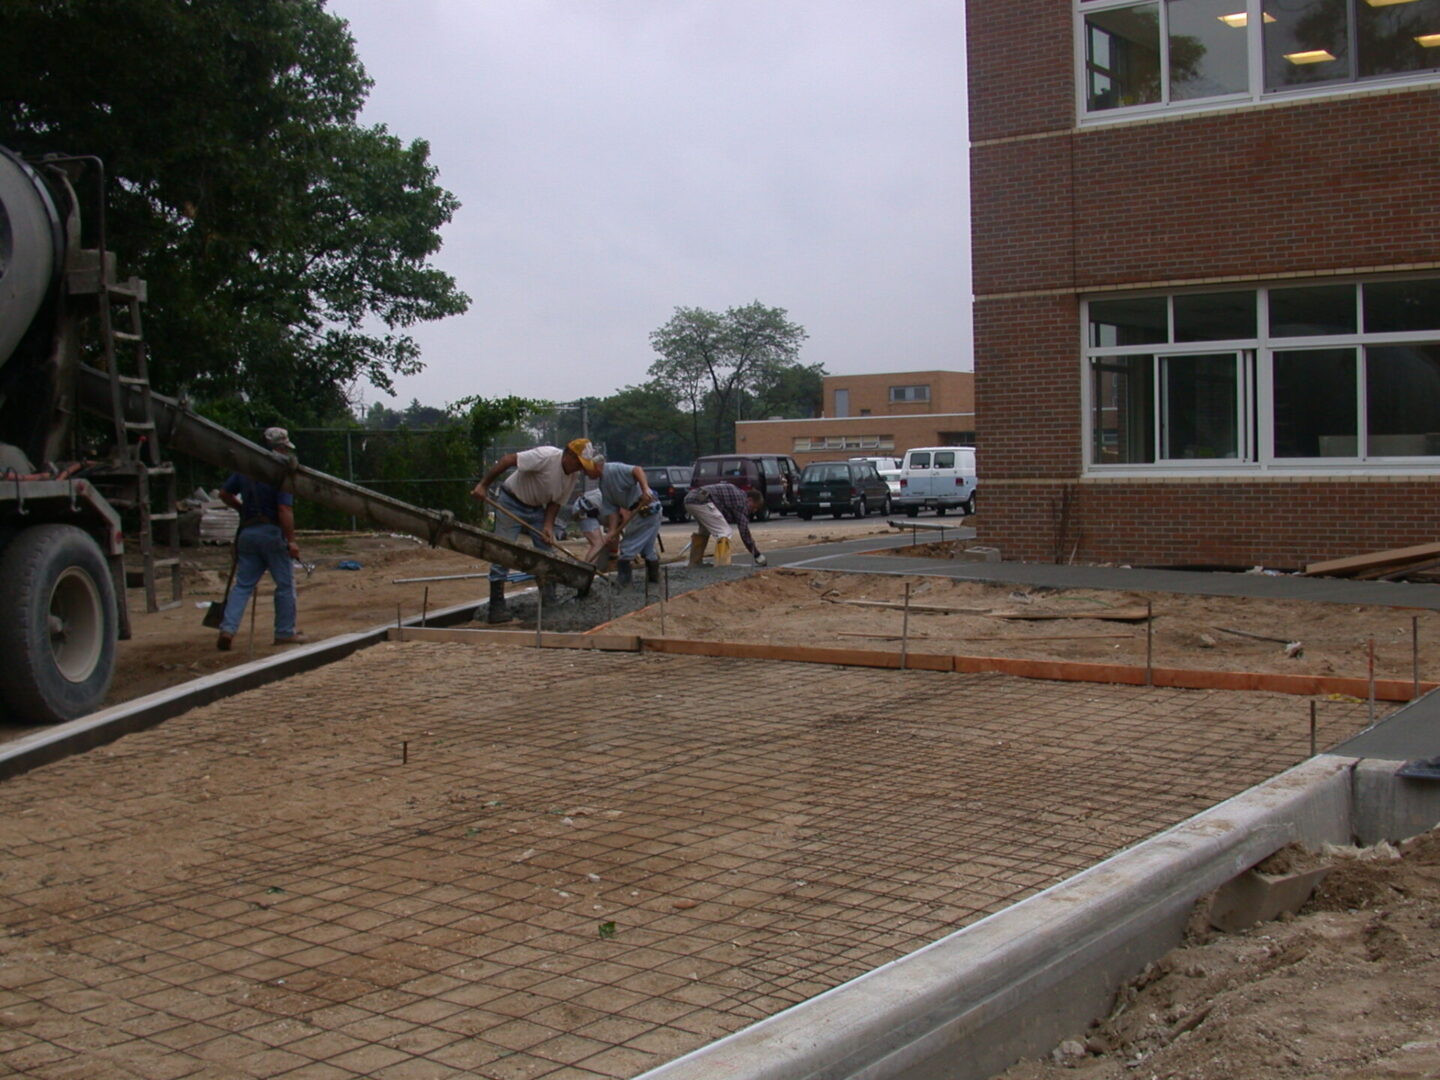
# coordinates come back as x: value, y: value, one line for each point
x: 670, y: 483
x: 938, y: 478
x: 842, y: 487
x: 889, y: 468
x: 776, y: 476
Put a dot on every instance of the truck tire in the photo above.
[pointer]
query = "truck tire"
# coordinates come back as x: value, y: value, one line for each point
x: 58, y: 625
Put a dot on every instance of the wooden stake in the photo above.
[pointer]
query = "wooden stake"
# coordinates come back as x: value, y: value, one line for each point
x: 905, y: 630
x: 1312, y: 728
x: 1149, y: 645
x: 1415, y: 652
x: 1371, y: 694
x: 425, y: 606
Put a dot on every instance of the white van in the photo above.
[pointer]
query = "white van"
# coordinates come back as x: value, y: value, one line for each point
x: 889, y: 468
x: 938, y: 478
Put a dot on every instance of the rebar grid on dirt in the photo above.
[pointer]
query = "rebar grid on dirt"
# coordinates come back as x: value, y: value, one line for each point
x: 590, y: 864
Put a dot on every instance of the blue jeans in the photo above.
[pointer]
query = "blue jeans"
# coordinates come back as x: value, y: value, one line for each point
x: 507, y: 528
x: 258, y: 549
x: 641, y: 532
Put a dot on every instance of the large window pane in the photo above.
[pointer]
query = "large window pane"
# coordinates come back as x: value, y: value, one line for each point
x: 1207, y: 49
x: 1307, y: 43
x: 1316, y: 409
x: 1393, y: 38
x: 1214, y: 316
x: 1123, y: 410
x: 1401, y: 307
x: 1321, y: 309
x: 1122, y: 57
x: 1200, y: 402
x: 1402, y: 389
x: 1141, y: 321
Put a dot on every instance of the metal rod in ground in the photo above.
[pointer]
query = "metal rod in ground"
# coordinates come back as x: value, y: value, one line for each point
x: 664, y: 592
x: 905, y: 630
x: 539, y: 609
x: 1312, y: 729
x: 425, y: 606
x: 404, y: 753
x: 1149, y: 645
x: 399, y: 624
x: 254, y: 607
x: 1415, y: 653
x: 441, y: 577
x: 1370, y: 695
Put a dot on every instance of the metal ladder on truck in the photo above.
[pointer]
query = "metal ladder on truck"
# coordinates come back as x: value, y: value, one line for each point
x: 148, y: 478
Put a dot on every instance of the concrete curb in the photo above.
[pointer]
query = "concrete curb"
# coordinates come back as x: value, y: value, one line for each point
x: 1017, y: 983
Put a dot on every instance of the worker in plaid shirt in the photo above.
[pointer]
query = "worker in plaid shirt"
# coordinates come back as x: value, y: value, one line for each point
x: 716, y: 507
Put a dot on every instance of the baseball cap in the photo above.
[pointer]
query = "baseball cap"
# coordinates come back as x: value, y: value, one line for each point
x: 277, y: 438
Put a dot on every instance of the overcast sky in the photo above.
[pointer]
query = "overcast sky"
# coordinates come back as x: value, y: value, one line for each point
x: 616, y: 159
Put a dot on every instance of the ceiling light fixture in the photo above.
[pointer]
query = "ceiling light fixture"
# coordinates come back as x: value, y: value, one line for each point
x: 1314, y: 56
x: 1239, y: 19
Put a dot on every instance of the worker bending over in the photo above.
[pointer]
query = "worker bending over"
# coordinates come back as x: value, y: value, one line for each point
x: 528, y: 501
x: 715, y: 508
x: 631, y: 515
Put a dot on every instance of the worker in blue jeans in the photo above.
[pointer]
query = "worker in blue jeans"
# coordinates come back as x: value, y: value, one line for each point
x: 265, y: 541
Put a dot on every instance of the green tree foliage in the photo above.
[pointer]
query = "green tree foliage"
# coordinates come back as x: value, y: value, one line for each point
x: 286, y: 246
x: 489, y: 418
x: 642, y: 425
x: 708, y: 361
x: 793, y: 392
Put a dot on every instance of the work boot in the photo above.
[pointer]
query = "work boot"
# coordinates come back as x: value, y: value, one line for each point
x: 624, y: 571
x: 722, y: 551
x: 652, y: 571
x: 496, y: 611
x: 697, y: 547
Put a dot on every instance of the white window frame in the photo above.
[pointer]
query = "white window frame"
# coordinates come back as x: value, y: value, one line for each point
x: 1257, y: 415
x: 1255, y: 57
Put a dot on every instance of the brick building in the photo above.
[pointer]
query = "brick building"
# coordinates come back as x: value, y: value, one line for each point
x: 872, y: 416
x: 1207, y: 276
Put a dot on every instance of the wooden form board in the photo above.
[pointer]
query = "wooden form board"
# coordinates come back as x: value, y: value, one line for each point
x: 1053, y: 670
x: 1355, y: 564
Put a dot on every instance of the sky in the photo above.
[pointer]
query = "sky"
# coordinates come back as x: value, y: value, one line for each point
x: 618, y: 159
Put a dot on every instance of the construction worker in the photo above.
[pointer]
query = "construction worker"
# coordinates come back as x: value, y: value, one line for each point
x: 715, y: 508
x: 529, y: 500
x: 264, y: 542
x: 632, y: 514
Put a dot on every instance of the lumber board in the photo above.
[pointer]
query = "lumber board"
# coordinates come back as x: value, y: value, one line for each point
x: 1130, y: 614
x: 1393, y: 557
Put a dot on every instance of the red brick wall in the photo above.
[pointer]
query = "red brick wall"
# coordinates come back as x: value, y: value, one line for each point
x: 1338, y: 182
x: 1021, y: 63
x: 1280, y: 524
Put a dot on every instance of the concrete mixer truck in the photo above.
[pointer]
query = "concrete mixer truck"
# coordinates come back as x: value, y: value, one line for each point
x: 72, y: 341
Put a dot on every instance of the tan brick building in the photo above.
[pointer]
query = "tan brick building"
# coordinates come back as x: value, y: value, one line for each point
x: 1207, y: 278
x: 872, y: 416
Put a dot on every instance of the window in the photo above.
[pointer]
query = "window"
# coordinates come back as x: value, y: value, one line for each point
x: 1335, y: 374
x: 900, y: 394
x: 809, y: 444
x: 1178, y: 52
x: 842, y: 402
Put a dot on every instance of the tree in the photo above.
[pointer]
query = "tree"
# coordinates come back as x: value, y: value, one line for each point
x: 643, y: 426
x: 794, y: 392
x: 275, y: 232
x: 708, y: 361
x: 490, y: 417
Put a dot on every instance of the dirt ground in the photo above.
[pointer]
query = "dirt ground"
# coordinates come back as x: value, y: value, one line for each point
x: 1348, y: 989
x: 801, y: 607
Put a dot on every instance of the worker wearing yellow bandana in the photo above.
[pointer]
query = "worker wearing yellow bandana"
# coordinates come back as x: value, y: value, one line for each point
x: 539, y: 485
